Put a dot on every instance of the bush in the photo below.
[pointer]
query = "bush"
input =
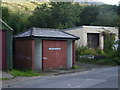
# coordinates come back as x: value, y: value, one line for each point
x: 100, y: 52
x: 118, y: 50
x: 89, y: 52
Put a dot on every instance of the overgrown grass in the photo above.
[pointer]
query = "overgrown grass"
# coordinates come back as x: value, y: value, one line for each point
x: 106, y: 61
x: 26, y: 73
x: 101, y: 57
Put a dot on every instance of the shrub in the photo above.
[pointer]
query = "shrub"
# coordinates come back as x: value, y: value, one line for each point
x: 108, y: 58
x: 109, y: 41
x: 118, y: 50
x: 89, y: 52
x: 78, y: 51
x: 83, y: 50
x: 100, y: 52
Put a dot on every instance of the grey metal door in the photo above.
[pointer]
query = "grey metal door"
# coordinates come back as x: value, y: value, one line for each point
x: 93, y: 40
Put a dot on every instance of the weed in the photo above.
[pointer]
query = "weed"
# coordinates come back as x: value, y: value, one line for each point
x: 77, y: 67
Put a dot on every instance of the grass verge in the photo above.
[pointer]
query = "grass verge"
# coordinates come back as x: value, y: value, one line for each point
x: 4, y: 78
x: 77, y: 67
x: 25, y: 73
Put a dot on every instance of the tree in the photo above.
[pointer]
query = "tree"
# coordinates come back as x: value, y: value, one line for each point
x: 118, y: 51
x: 107, y: 16
x: 41, y: 17
x: 89, y: 15
x: 15, y: 20
x: 5, y: 13
x: 106, y: 19
x: 65, y: 15
x: 119, y: 19
x: 55, y: 15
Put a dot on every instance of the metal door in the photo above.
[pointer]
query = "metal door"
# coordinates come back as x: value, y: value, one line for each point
x: 93, y: 40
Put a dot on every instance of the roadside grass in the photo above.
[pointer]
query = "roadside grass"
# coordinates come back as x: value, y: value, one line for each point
x: 4, y: 78
x: 77, y: 67
x: 24, y: 73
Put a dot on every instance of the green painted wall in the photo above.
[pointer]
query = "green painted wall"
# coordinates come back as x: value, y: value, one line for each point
x: 69, y: 53
x: 9, y: 47
x: 38, y: 54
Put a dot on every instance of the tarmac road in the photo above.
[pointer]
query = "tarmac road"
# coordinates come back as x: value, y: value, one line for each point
x: 97, y: 78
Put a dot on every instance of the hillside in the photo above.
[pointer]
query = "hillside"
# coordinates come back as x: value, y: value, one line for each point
x: 18, y: 0
x: 23, y: 6
x: 90, y: 2
x: 29, y: 5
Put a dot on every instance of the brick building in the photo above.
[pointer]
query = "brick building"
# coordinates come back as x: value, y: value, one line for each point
x: 44, y: 49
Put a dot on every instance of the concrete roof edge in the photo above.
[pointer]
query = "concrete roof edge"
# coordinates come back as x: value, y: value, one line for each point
x: 68, y: 29
x: 83, y: 26
x: 44, y: 28
x: 97, y: 26
x: 76, y: 37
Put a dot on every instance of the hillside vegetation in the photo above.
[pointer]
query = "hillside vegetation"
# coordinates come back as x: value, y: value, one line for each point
x: 16, y: 14
x: 60, y: 15
x: 25, y: 6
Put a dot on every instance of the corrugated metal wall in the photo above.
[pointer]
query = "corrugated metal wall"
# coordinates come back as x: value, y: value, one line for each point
x: 9, y: 47
x: 3, y: 50
x: 6, y: 49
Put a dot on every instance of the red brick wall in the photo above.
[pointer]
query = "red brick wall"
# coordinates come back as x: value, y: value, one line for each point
x: 55, y: 58
x: 3, y: 64
x: 24, y: 54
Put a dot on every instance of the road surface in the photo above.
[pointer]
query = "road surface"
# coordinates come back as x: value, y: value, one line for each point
x: 97, y: 78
